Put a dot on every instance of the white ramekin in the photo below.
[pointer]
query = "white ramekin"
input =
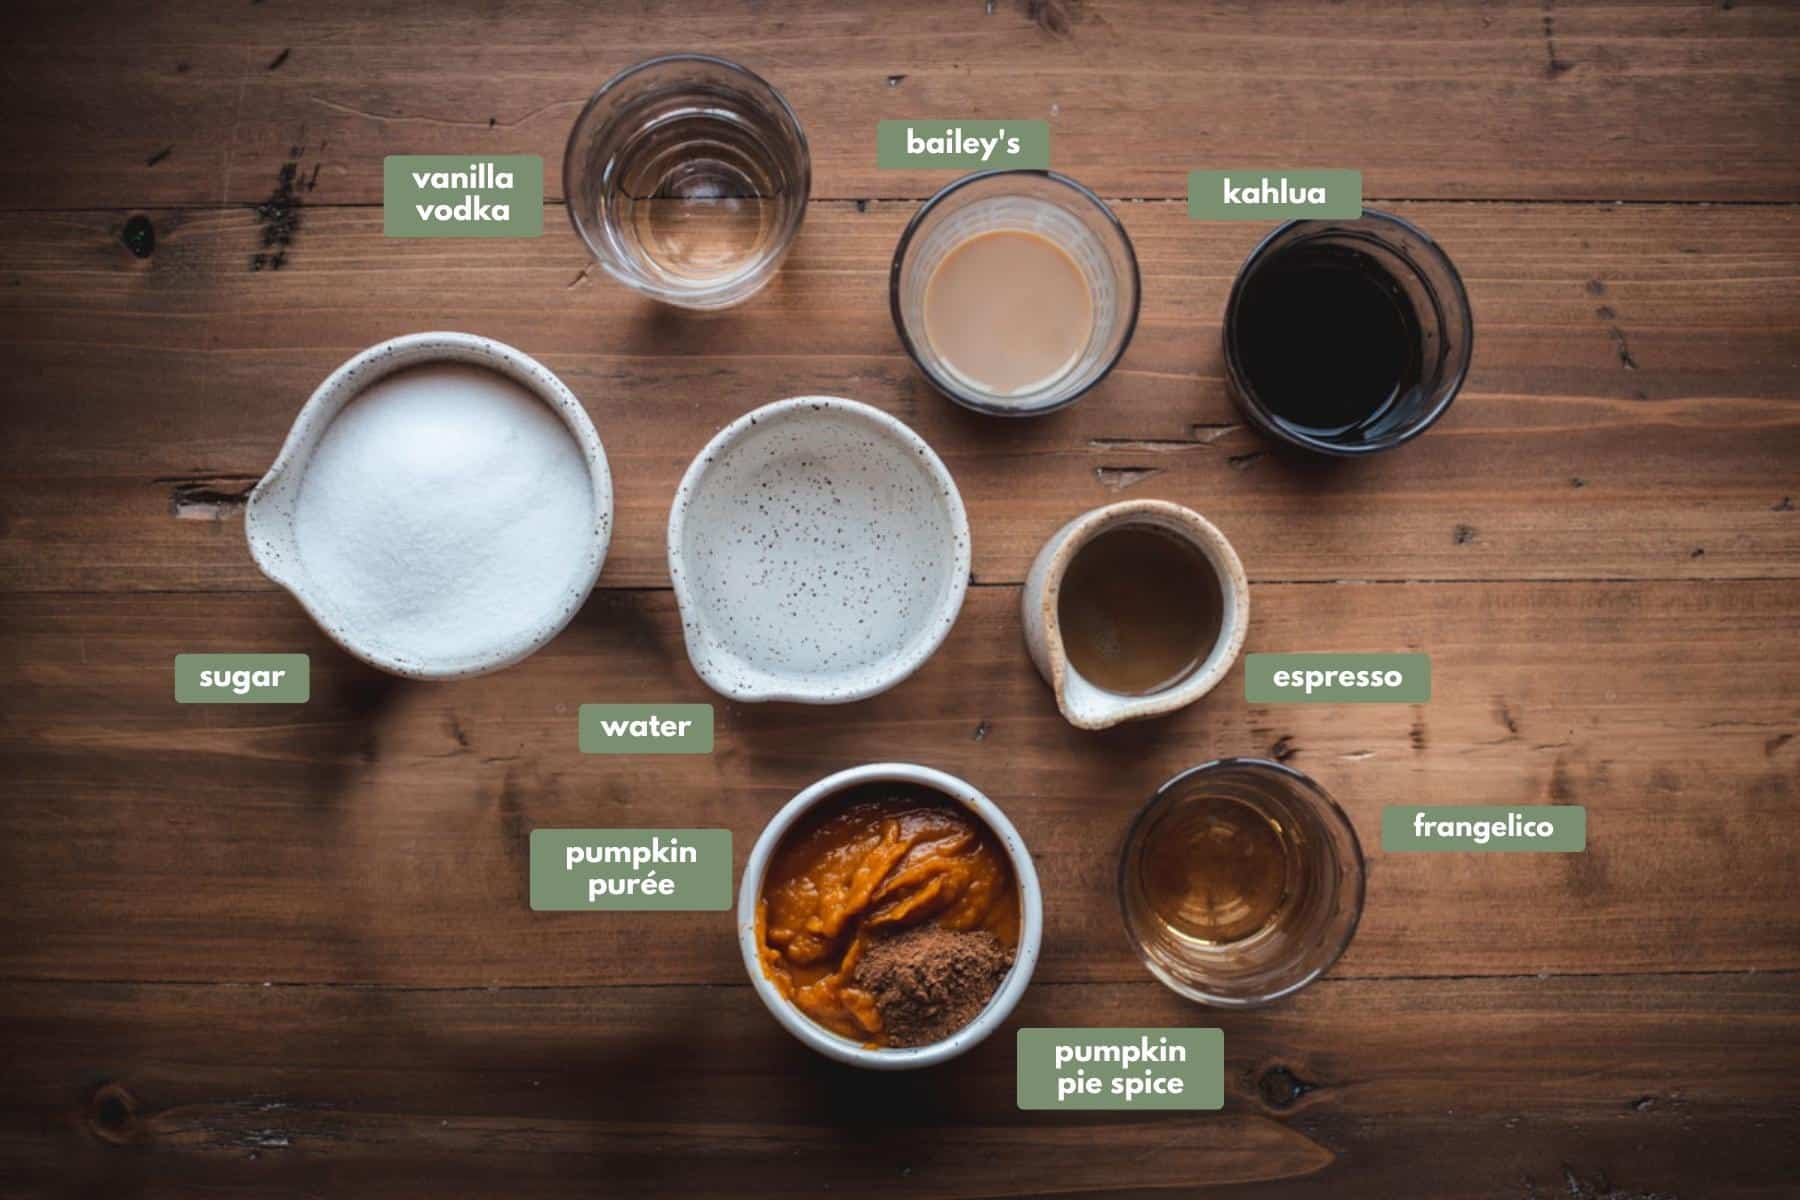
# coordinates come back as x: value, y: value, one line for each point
x: 1031, y: 920
x: 269, y: 518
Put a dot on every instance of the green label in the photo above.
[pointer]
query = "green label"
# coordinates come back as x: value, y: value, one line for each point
x: 1121, y: 1068
x: 646, y: 729
x: 1259, y: 194
x: 462, y: 195
x: 663, y: 870
x: 965, y: 145
x: 242, y: 679
x: 1484, y: 828
x: 1337, y: 678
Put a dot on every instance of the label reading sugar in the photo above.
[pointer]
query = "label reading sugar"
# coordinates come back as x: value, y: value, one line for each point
x: 1260, y: 194
x: 667, y: 870
x: 646, y: 729
x: 242, y: 679
x: 1337, y: 678
x: 1488, y: 829
x: 1085, y: 1069
x: 457, y: 195
x: 964, y: 145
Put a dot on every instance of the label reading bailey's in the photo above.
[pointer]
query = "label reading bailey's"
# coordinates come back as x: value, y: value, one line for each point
x: 646, y: 729
x: 456, y: 195
x: 242, y: 679
x: 964, y: 145
x: 1337, y: 678
x: 1259, y: 194
x: 1121, y: 1068
x: 1487, y: 829
x: 666, y: 870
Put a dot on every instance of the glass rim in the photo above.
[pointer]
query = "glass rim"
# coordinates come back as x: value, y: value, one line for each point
x: 950, y: 387
x: 602, y: 255
x: 1282, y: 431
x: 1331, y: 811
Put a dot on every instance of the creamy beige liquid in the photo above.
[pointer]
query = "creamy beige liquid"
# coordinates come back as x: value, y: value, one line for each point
x: 1008, y: 311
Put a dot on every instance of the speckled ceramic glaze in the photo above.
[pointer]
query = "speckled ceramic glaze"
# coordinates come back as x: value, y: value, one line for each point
x: 1085, y: 705
x: 819, y: 552
x: 1025, y: 956
x: 269, y: 518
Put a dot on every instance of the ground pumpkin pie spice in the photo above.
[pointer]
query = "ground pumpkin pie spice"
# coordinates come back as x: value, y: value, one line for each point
x: 866, y: 873
x: 928, y: 982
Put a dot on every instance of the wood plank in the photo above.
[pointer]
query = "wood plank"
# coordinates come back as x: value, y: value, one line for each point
x: 1630, y: 412
x: 1665, y: 101
x: 694, y: 1091
x: 378, y: 834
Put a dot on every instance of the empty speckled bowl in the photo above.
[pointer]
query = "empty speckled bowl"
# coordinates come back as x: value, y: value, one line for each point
x: 819, y: 552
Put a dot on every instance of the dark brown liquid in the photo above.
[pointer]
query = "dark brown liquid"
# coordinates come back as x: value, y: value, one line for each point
x: 1140, y: 608
x: 1327, y: 340
x: 1216, y: 869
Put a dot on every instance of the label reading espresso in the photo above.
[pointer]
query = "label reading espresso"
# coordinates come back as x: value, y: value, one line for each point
x: 1259, y: 194
x: 964, y: 145
x: 456, y: 195
x: 1337, y: 678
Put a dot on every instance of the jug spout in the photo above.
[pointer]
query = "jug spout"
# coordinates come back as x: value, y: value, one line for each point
x: 1086, y: 706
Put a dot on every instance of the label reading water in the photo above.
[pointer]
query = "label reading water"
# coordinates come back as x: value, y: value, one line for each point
x: 646, y: 729
x: 1337, y: 678
x: 1259, y: 194
x: 1488, y: 829
x: 457, y: 195
x: 668, y: 870
x: 1121, y: 1068
x: 242, y: 679
x: 964, y: 145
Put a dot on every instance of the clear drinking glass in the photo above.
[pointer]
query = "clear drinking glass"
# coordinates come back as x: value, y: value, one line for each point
x: 687, y: 177
x: 1241, y: 882
x: 1053, y: 207
x: 1419, y: 277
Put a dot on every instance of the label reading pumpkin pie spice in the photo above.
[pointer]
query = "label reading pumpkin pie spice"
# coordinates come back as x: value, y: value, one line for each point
x: 1087, y: 1069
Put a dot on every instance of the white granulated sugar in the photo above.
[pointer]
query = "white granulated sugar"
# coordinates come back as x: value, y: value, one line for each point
x: 445, y: 515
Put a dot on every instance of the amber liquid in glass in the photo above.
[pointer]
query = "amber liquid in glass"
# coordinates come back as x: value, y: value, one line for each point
x: 1216, y: 869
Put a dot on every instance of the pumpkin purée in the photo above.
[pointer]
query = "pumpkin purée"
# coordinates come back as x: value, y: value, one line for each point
x: 875, y: 860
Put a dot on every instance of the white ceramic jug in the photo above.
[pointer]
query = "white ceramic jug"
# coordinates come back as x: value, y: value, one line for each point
x: 1086, y: 705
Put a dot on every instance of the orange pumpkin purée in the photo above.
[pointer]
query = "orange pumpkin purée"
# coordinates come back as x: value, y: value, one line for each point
x: 876, y: 859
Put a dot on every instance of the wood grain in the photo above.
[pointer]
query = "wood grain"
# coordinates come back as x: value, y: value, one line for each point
x: 1629, y: 414
x: 1522, y: 99
x: 287, y: 952
x: 378, y: 834
x: 1529, y: 1084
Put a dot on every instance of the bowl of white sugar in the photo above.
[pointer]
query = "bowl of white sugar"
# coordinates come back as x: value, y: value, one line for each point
x: 441, y: 507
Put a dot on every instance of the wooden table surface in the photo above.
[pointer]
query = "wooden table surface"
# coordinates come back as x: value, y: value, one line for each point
x: 286, y: 952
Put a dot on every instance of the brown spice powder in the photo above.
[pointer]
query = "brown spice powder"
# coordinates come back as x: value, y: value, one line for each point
x: 928, y: 982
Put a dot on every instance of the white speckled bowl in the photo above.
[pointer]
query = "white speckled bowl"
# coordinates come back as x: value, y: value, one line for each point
x: 269, y: 517
x: 819, y: 552
x: 1025, y: 956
